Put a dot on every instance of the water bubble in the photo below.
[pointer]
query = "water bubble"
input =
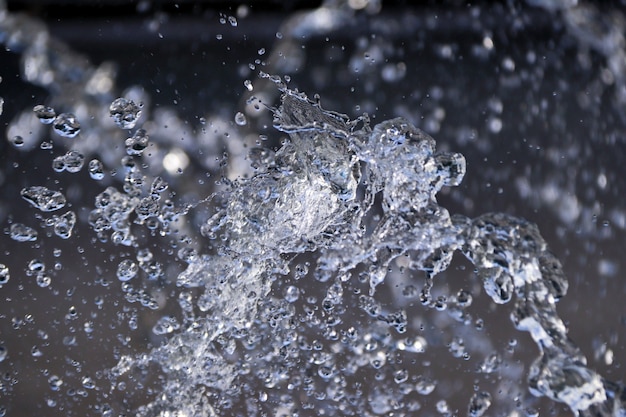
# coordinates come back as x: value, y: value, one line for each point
x: 136, y: 144
x: 125, y: 113
x: 232, y: 20
x: 66, y: 125
x: 23, y: 233
x: 4, y: 274
x: 479, y: 403
x: 46, y: 115
x: 126, y: 270
x: 240, y: 119
x: 96, y: 169
x: 248, y: 85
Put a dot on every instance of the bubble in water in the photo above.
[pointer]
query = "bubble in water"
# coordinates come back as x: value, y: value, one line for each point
x: 96, y: 169
x: 23, y: 233
x: 3, y: 353
x: 248, y: 85
x: 125, y: 113
x: 240, y: 119
x: 232, y: 20
x: 136, y: 144
x: 479, y: 403
x: 4, y: 274
x: 43, y: 198
x: 45, y: 114
x: 126, y: 270
x: 66, y: 125
x: 1, y: 105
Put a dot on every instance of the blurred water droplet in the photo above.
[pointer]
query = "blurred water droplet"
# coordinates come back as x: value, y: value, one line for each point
x: 46, y: 115
x: 125, y: 113
x: 66, y: 125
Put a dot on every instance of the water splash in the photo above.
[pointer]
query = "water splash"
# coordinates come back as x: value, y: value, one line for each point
x: 339, y: 204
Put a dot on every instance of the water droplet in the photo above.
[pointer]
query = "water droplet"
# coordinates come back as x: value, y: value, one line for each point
x: 3, y: 353
x: 43, y: 280
x: 88, y: 382
x: 479, y: 403
x: 4, y: 274
x: 45, y: 114
x: 22, y: 233
x: 125, y: 113
x: 240, y: 119
x: 136, y: 144
x: 55, y: 382
x: 66, y: 125
x: 73, y: 161
x: 17, y: 141
x: 126, y: 270
x: 64, y: 225
x: 96, y: 169
x: 43, y: 198
x: 291, y: 294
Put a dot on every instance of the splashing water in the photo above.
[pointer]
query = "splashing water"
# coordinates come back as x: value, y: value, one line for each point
x: 282, y: 297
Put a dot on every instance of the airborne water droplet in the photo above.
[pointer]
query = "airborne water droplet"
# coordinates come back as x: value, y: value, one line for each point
x: 125, y: 113
x: 66, y: 125
x: 126, y: 270
x: 45, y: 114
x: 4, y: 274
x: 240, y: 119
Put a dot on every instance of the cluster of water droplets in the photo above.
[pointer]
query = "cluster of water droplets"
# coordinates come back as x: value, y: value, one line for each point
x: 280, y: 299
